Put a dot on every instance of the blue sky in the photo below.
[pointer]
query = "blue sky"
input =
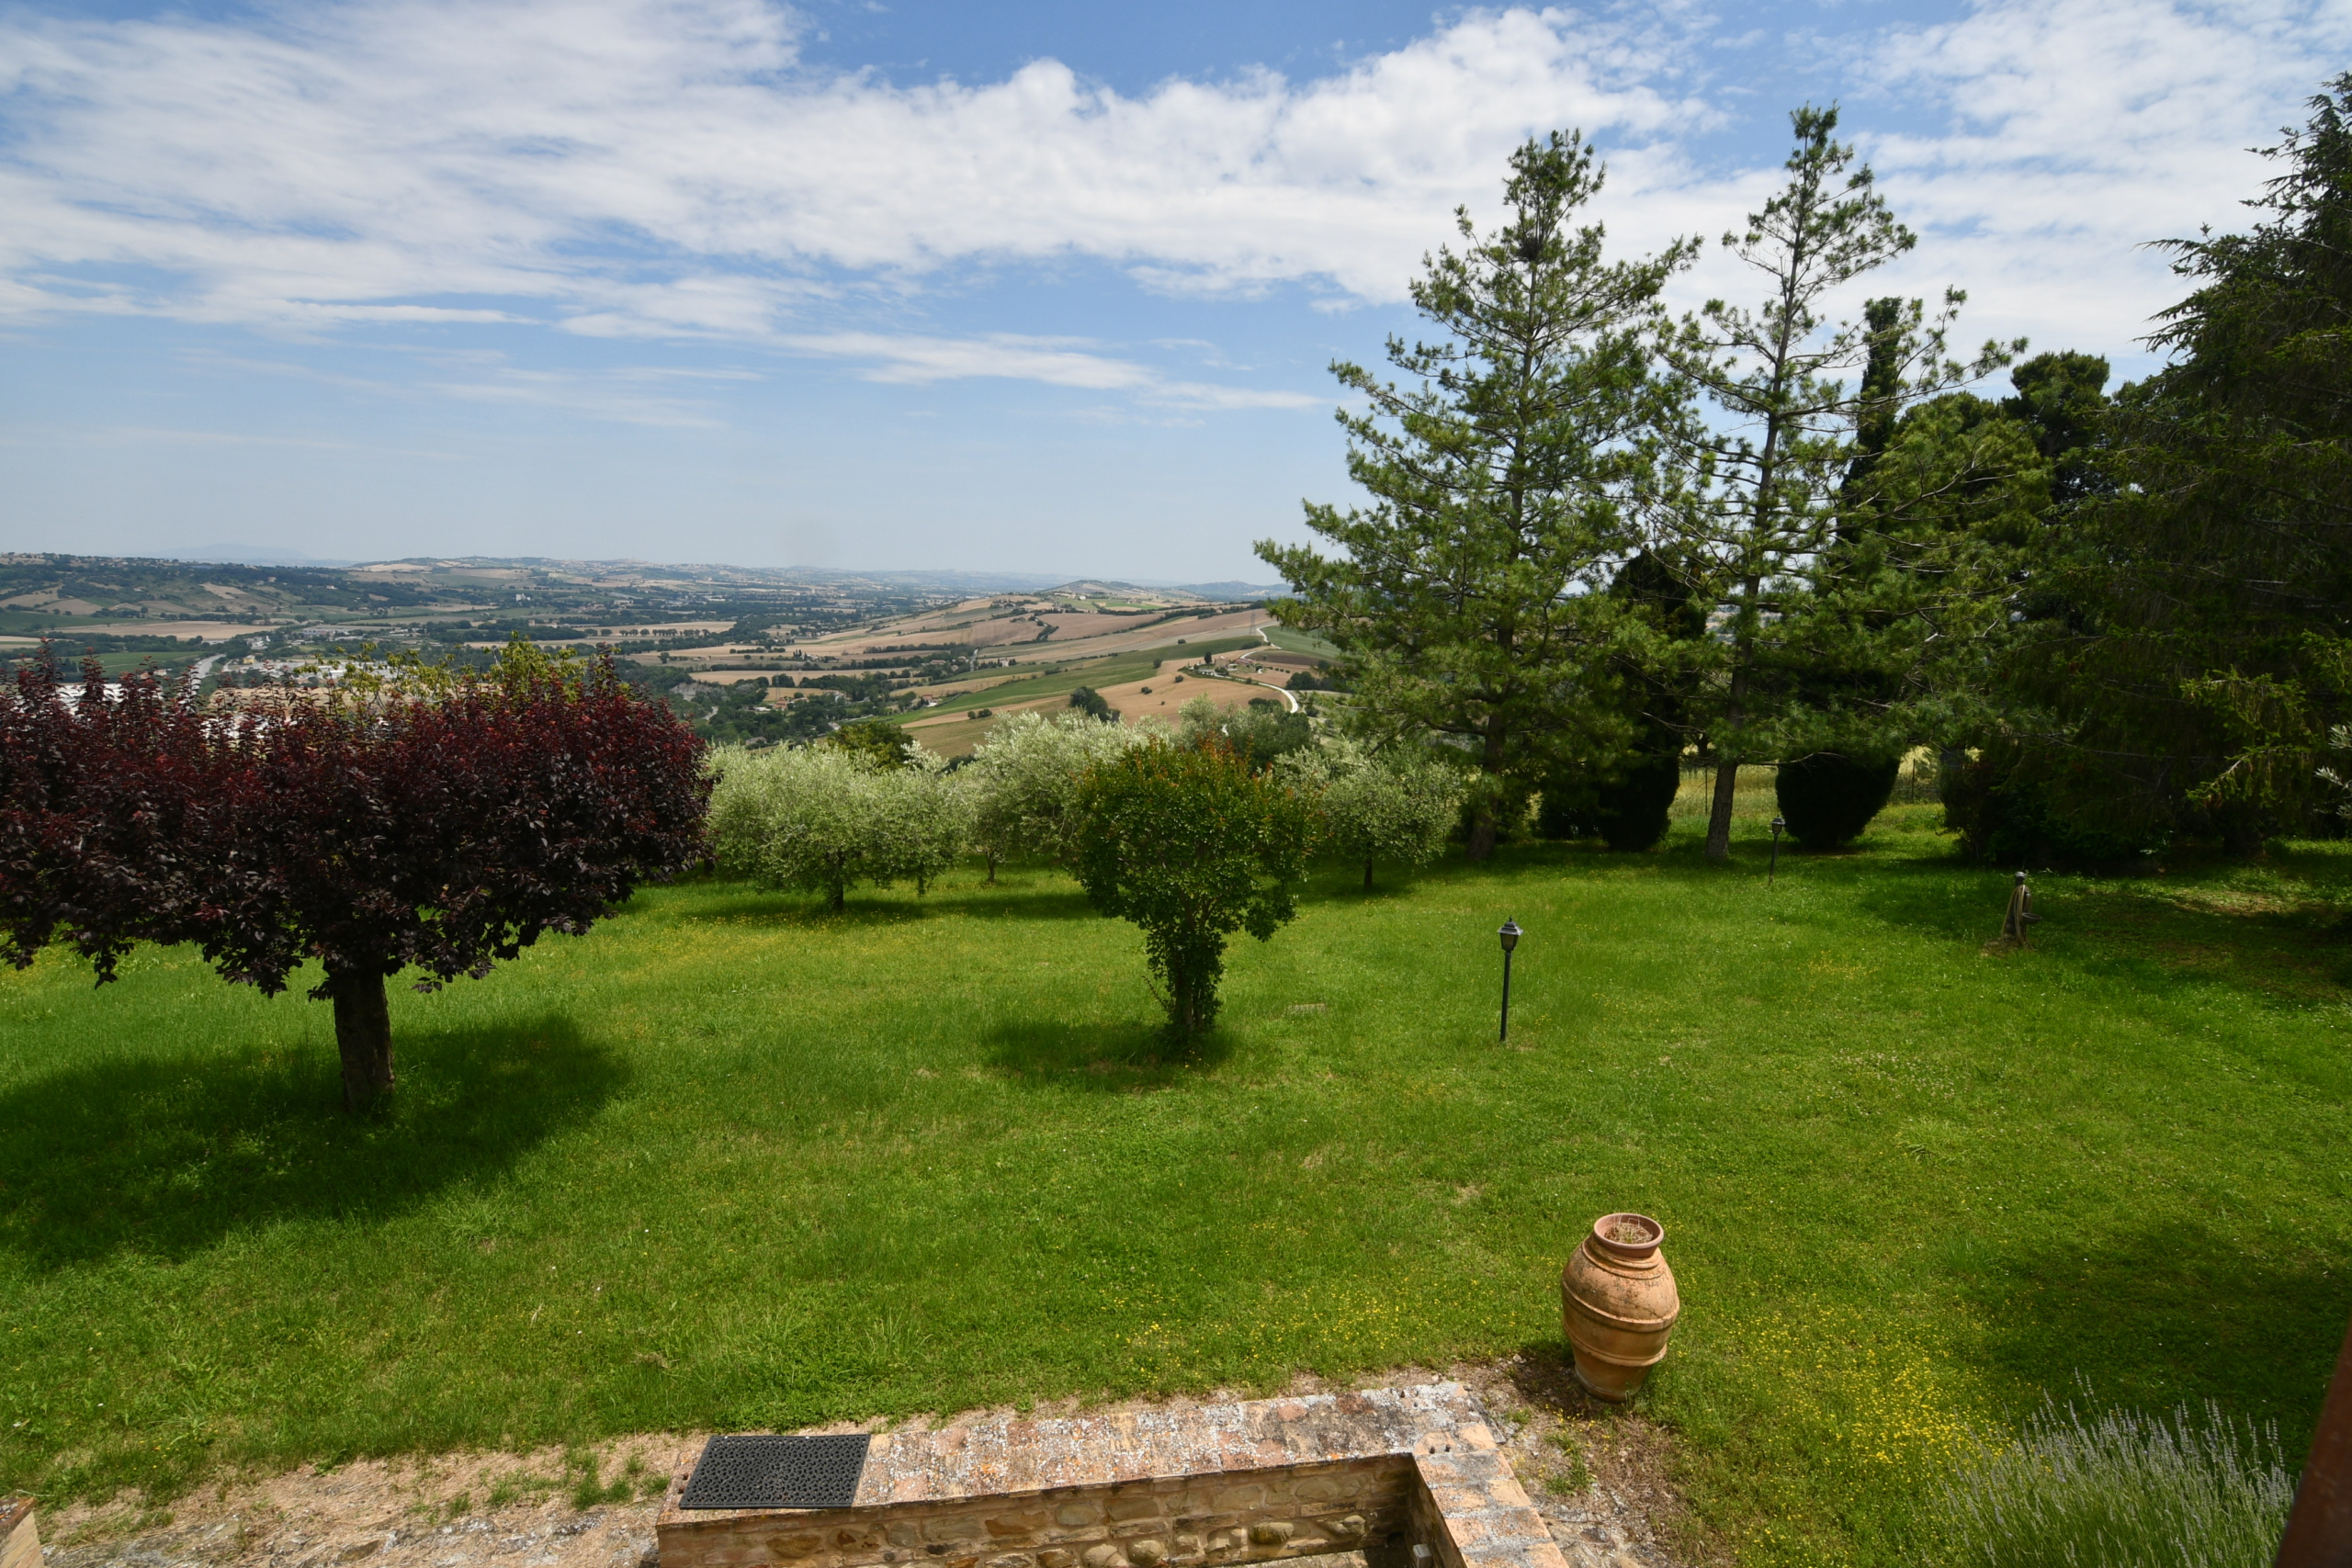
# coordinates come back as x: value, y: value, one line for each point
x: 1042, y: 287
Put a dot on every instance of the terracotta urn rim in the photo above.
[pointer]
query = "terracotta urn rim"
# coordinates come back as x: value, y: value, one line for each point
x: 1631, y: 1251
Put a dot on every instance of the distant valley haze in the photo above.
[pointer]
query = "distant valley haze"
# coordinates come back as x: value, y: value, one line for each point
x: 1045, y: 290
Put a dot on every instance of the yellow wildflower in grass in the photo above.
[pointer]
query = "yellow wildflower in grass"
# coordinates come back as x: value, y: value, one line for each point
x: 1870, y: 1408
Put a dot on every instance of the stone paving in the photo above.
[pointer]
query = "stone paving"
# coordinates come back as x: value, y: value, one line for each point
x: 416, y: 1514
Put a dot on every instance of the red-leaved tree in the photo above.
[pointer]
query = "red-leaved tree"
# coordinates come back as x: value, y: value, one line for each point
x: 442, y: 826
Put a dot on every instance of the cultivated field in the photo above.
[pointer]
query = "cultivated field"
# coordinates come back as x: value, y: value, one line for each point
x: 729, y: 1162
x: 1160, y: 694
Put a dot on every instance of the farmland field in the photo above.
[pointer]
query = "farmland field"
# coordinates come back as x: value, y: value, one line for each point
x: 729, y: 1161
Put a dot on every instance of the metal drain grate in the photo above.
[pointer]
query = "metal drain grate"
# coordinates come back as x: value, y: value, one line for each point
x: 762, y: 1472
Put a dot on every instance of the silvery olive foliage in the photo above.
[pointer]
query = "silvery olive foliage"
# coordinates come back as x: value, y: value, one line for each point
x: 1398, y: 805
x: 1024, y: 777
x: 825, y: 818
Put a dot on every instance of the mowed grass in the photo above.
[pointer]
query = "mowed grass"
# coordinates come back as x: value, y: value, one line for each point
x: 731, y: 1162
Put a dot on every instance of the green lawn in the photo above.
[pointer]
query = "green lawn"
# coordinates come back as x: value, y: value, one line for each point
x: 731, y: 1162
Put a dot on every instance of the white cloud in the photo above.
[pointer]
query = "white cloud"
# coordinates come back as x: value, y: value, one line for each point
x: 670, y: 168
x: 2077, y: 130
x: 665, y: 166
x: 1056, y: 362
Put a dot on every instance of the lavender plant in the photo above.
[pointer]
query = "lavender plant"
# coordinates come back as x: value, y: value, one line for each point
x: 2122, y: 1490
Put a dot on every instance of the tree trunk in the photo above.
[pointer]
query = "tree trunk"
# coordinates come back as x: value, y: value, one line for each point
x: 1719, y: 812
x: 1483, y: 828
x: 991, y: 860
x: 1367, y: 873
x: 1950, y: 760
x: 1727, y: 765
x: 363, y: 1032
x: 2241, y: 831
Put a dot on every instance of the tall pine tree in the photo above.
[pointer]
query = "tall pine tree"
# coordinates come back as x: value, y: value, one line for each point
x: 2217, y: 660
x: 1505, y: 477
x: 1770, y: 476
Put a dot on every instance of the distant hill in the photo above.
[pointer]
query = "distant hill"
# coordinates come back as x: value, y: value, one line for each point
x: 1221, y: 592
x: 1233, y: 590
x: 944, y: 581
x: 248, y: 555
x: 42, y: 593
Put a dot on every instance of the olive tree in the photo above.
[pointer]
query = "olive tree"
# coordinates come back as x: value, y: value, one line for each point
x: 923, y: 817
x: 1398, y: 805
x: 1024, y: 780
x: 824, y: 819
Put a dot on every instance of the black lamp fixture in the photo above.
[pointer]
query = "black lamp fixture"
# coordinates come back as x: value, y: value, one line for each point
x: 1774, y: 869
x: 1510, y: 935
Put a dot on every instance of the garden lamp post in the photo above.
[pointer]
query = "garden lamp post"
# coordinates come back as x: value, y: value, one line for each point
x: 1510, y: 935
x: 1774, y: 869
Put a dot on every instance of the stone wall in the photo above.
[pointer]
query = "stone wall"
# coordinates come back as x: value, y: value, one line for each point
x: 1251, y: 1516
x: 1183, y: 1487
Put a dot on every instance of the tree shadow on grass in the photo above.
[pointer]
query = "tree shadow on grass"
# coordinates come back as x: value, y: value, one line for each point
x: 2180, y: 935
x: 865, y: 907
x: 1098, y: 1059
x: 2152, y: 1316
x: 166, y: 1155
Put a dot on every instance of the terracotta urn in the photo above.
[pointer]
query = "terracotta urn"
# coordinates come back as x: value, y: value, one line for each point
x: 1619, y: 1303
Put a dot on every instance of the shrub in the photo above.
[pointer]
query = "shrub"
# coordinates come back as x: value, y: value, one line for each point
x: 1633, y: 808
x: 2007, y: 813
x: 1829, y: 797
x: 2120, y: 1491
x: 1090, y: 703
x: 1628, y: 812
x: 1190, y: 844
x: 1394, y: 808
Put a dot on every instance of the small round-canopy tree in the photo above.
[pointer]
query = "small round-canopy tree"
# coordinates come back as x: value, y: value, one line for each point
x: 1090, y: 703
x: 1026, y: 777
x: 1260, y: 732
x: 877, y: 741
x: 1193, y: 845
x: 443, y: 824
x: 822, y: 818
x: 1399, y: 805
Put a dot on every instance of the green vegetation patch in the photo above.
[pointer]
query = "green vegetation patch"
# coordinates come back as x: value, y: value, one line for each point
x: 1106, y: 672
x: 732, y: 1162
x: 1298, y: 641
